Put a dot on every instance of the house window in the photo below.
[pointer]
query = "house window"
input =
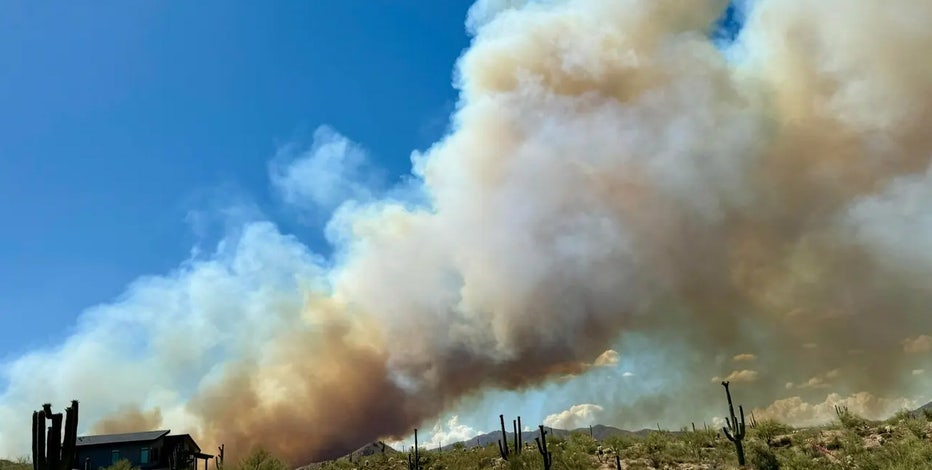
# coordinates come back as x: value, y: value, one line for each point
x: 114, y: 456
x: 144, y: 455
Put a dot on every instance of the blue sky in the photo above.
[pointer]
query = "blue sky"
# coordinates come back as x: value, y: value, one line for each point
x: 118, y: 121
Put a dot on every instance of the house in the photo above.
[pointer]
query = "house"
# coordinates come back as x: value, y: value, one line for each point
x: 150, y: 450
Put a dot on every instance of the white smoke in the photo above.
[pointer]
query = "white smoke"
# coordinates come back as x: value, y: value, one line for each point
x: 333, y: 171
x: 577, y: 416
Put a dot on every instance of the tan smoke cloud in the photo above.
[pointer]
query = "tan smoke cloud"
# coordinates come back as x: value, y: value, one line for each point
x: 747, y: 357
x: 738, y: 376
x: 129, y: 419
x: 819, y: 381
x: 608, y: 171
x: 607, y: 359
x: 575, y: 417
x: 797, y: 410
x: 919, y: 344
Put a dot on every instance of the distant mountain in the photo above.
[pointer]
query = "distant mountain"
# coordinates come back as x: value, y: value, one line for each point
x: 599, y: 432
x: 367, y: 450
x: 920, y: 411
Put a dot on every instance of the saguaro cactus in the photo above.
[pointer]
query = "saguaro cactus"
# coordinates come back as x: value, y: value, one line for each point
x: 218, y: 462
x: 415, y: 463
x: 54, y: 453
x: 542, y: 448
x: 517, y: 425
x: 503, y: 442
x: 517, y: 441
x: 737, y: 428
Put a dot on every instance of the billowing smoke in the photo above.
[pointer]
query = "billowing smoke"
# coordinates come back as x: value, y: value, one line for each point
x: 609, y: 173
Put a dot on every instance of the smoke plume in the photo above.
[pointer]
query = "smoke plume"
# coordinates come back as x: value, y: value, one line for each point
x: 609, y: 172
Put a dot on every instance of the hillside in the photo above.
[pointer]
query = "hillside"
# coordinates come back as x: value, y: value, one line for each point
x: 599, y: 432
x: 903, y: 441
x: 23, y: 464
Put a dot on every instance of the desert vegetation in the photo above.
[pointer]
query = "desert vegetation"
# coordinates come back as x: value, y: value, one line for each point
x: 850, y: 442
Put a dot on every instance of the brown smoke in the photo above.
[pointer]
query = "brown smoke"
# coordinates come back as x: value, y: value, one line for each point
x: 608, y: 172
x: 129, y: 419
x: 608, y: 166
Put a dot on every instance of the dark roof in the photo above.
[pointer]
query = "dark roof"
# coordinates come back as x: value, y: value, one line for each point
x: 120, y: 438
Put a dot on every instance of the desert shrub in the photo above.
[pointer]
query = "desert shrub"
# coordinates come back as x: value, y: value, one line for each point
x: 553, y: 441
x: 618, y: 443
x: 900, y: 454
x: 761, y: 457
x: 694, y: 442
x: 122, y: 464
x: 528, y: 460
x: 767, y: 429
x: 851, y: 420
x: 927, y: 414
x: 582, y: 443
x: 797, y: 459
x: 917, y: 427
x: 572, y: 459
x: 899, y: 416
x: 656, y: 445
x: 261, y: 459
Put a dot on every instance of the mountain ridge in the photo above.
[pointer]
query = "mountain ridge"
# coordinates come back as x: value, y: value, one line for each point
x: 599, y: 432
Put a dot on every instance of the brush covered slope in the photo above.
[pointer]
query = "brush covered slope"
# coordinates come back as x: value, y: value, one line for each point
x: 903, y: 441
x: 20, y: 464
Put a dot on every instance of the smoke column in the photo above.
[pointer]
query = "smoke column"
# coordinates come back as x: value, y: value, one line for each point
x: 608, y: 170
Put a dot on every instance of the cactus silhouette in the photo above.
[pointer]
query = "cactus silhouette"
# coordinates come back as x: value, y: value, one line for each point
x: 737, y: 428
x: 50, y: 451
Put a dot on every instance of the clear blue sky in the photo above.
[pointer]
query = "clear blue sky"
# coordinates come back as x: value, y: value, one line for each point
x: 117, y: 120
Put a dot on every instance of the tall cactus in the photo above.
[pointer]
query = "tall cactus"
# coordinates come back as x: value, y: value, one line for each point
x: 503, y: 442
x: 53, y: 453
x: 218, y: 462
x: 542, y: 448
x: 518, y: 441
x: 415, y: 463
x: 737, y: 428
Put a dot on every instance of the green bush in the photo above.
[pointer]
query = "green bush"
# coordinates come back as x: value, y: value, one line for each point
x: 762, y: 458
x: 850, y: 420
x: 122, y: 464
x: 767, y: 429
x: 261, y: 459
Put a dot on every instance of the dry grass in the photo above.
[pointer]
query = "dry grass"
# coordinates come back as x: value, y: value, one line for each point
x: 22, y: 463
